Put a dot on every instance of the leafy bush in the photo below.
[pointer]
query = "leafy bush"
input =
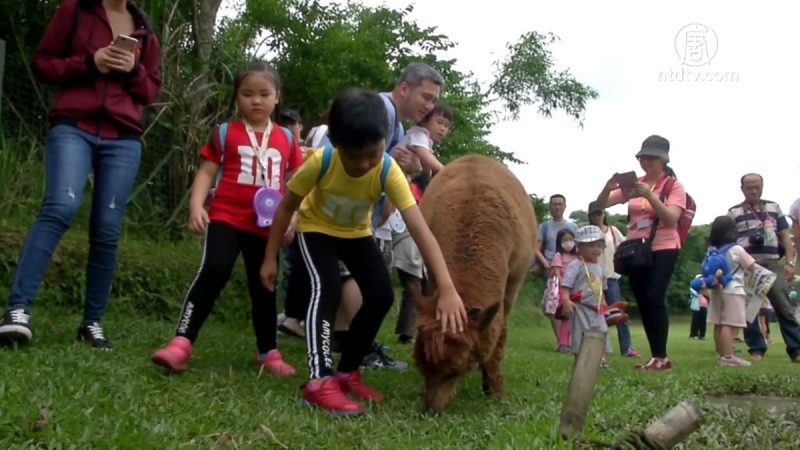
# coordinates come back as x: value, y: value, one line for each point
x: 151, y: 277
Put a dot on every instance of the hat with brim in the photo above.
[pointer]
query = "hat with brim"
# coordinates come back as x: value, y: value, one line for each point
x: 655, y: 146
x: 595, y: 207
x: 589, y: 233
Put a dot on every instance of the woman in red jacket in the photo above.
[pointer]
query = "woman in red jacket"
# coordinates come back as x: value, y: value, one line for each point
x: 96, y: 125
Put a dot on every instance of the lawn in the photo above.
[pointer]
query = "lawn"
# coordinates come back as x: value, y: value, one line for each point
x: 121, y: 400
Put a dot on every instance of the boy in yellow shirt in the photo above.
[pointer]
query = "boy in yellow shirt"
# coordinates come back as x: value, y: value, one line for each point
x: 340, y: 186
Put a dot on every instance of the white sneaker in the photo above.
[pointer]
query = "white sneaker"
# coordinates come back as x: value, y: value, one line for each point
x: 733, y: 361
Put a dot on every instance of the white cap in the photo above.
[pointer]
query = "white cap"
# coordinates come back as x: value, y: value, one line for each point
x: 589, y: 233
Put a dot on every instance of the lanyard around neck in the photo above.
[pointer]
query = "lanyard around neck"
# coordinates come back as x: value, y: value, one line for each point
x: 259, y: 147
x: 599, y: 295
x: 758, y: 217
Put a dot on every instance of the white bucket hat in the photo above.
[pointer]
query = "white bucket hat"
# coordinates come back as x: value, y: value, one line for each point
x: 589, y: 233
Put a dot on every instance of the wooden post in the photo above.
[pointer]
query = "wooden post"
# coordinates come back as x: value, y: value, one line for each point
x: 678, y: 423
x: 581, y: 386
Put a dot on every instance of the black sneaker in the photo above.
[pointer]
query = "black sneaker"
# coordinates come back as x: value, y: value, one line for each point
x: 378, y: 359
x: 14, y: 328
x: 405, y: 339
x: 93, y: 333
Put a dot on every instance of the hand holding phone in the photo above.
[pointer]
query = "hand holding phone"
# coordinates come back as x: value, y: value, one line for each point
x: 119, y: 56
x: 627, y: 183
x: 124, y: 42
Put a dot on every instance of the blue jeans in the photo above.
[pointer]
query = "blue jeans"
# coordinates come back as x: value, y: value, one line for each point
x: 784, y: 312
x: 71, y: 155
x: 614, y: 294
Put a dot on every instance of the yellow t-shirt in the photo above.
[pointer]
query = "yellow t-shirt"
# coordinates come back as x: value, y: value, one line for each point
x: 340, y: 205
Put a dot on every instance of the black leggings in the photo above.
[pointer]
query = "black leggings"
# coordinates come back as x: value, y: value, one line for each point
x: 321, y: 254
x: 650, y: 290
x: 698, y: 327
x: 406, y: 319
x: 295, y: 299
x: 222, y: 246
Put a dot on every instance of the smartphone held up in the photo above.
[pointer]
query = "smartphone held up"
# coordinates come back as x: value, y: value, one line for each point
x: 627, y: 183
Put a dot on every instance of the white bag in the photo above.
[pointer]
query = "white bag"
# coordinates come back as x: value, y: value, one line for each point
x: 757, y: 283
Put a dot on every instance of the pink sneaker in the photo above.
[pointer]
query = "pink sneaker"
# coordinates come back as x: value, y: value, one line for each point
x: 175, y: 356
x: 274, y: 363
x: 632, y: 353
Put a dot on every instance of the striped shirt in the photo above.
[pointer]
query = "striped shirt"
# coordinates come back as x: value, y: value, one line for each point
x: 767, y: 221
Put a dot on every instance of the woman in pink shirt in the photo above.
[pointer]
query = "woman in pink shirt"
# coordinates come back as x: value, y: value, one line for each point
x: 645, y: 206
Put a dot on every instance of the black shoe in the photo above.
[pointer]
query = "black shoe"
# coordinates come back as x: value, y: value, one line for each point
x: 405, y: 339
x: 93, y: 333
x: 14, y: 328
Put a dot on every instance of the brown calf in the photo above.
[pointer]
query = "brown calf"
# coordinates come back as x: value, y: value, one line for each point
x: 486, y: 227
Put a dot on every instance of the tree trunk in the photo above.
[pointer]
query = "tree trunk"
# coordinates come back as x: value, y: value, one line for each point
x: 204, y: 16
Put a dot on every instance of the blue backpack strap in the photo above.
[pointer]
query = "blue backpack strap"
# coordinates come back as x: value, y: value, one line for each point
x: 387, y: 163
x: 327, y: 153
x: 223, y: 133
x: 376, y: 209
x: 545, y: 229
x: 289, y: 135
x: 394, y: 132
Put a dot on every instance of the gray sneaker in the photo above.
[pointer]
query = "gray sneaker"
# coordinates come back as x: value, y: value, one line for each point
x: 378, y: 359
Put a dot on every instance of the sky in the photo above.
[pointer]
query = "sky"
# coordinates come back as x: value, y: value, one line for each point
x: 727, y: 108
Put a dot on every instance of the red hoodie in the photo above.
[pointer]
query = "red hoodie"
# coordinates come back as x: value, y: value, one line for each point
x: 106, y: 105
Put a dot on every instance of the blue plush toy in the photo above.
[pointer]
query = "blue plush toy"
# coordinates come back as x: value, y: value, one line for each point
x: 714, y: 267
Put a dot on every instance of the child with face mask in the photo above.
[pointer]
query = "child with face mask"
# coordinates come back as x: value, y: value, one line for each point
x: 565, y: 253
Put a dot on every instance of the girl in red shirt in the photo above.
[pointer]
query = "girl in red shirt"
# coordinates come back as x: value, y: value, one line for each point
x: 255, y: 155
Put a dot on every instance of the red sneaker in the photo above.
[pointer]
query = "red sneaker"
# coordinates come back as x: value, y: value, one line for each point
x: 274, y: 363
x: 175, y: 355
x: 327, y: 394
x: 351, y: 382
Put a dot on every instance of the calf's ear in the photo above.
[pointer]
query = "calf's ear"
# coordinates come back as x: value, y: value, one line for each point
x: 480, y: 318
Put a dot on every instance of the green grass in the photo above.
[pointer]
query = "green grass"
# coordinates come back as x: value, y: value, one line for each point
x: 121, y: 400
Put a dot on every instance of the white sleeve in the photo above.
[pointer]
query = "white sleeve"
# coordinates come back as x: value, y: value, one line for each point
x: 794, y: 210
x: 419, y: 137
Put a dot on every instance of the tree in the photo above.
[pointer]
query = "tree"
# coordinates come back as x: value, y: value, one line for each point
x: 540, y: 208
x: 579, y: 216
x: 318, y: 49
x: 527, y: 77
x: 372, y: 45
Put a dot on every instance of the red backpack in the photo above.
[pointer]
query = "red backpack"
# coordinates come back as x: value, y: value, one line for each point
x: 685, y: 220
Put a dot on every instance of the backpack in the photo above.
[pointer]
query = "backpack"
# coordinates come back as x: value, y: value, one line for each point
x: 716, y: 258
x: 685, y: 220
x: 223, y: 134
x: 327, y: 153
